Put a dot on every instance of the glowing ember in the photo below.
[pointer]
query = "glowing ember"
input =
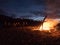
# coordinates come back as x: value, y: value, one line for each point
x: 48, y: 25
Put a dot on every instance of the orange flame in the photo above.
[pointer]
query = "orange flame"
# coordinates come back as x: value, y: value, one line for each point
x: 48, y: 25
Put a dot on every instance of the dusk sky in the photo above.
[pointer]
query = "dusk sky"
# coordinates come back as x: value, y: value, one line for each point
x: 30, y: 8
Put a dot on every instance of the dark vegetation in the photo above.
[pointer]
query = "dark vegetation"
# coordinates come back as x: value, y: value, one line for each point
x: 9, y: 21
x: 11, y: 34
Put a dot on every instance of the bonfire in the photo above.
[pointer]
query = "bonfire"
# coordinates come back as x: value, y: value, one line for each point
x: 48, y: 25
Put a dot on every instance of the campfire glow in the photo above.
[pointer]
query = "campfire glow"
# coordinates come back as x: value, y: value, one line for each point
x: 48, y: 25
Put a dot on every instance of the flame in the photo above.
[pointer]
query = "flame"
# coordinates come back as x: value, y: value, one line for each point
x: 48, y: 25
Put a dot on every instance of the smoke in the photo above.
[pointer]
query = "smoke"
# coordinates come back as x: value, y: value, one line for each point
x: 53, y: 8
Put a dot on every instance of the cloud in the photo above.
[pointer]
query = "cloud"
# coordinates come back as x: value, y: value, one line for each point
x: 32, y: 7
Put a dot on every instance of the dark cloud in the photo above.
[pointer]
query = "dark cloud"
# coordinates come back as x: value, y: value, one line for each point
x: 39, y: 2
x: 32, y: 7
x: 21, y: 7
x: 2, y: 12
